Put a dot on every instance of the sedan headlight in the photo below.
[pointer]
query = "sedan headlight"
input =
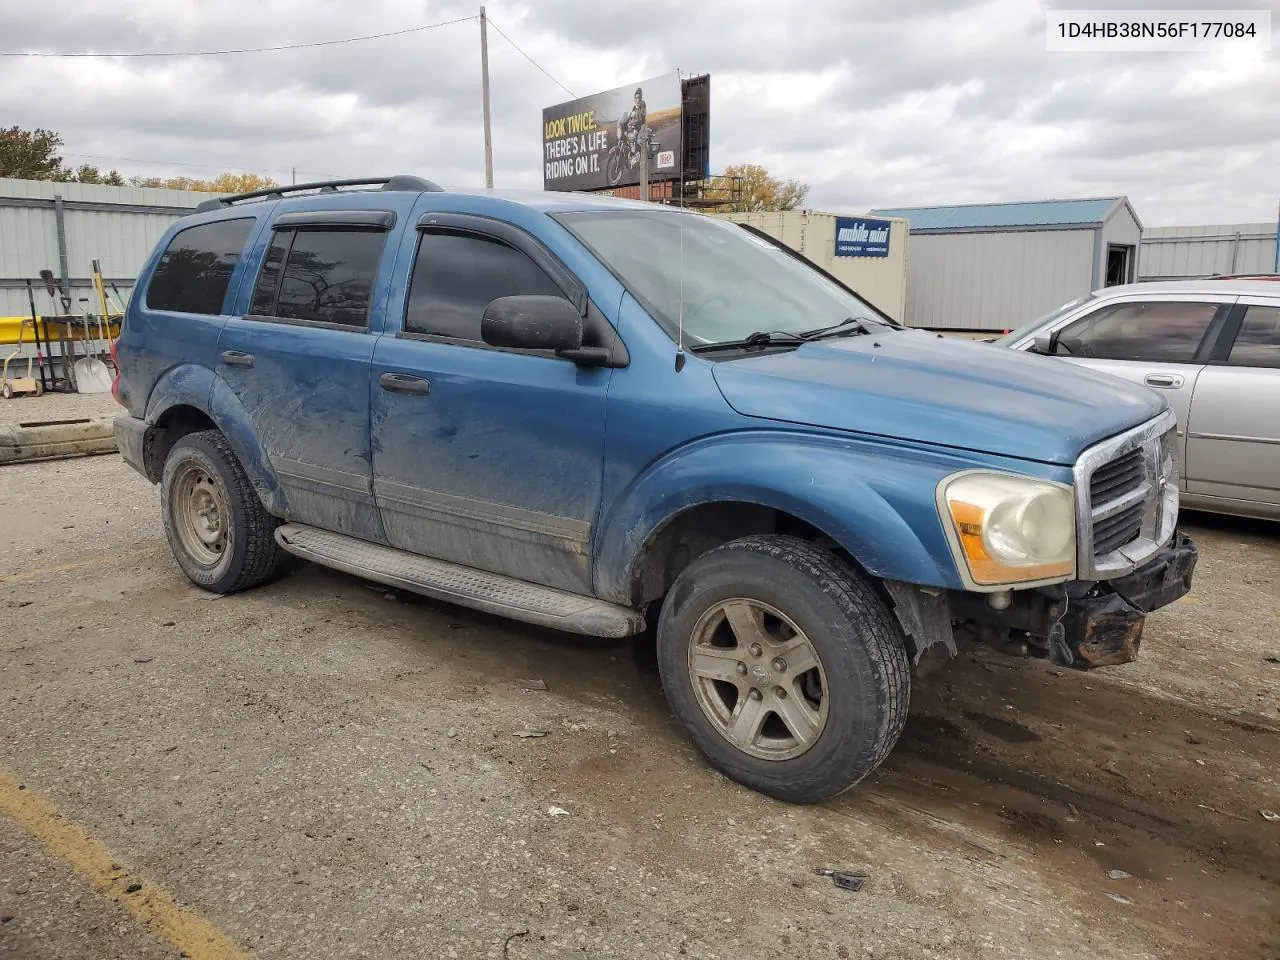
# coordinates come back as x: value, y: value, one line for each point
x: 1007, y: 530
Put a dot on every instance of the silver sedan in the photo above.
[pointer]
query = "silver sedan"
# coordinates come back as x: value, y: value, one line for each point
x: 1213, y: 348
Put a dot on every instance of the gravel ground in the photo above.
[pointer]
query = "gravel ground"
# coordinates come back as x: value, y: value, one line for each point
x: 58, y: 406
x: 322, y: 771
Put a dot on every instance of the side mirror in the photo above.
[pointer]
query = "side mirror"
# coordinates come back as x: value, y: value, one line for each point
x: 1046, y: 344
x: 532, y: 323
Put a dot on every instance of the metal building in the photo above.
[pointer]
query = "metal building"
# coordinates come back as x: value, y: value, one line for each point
x: 64, y: 227
x: 995, y: 266
x: 1175, y: 253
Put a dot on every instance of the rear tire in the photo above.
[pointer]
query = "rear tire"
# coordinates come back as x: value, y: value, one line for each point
x: 787, y: 669
x: 219, y: 532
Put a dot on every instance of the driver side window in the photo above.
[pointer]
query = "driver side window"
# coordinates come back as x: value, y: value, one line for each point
x: 457, y: 275
x: 1155, y: 331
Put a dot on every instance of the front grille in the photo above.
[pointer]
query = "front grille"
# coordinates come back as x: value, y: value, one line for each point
x: 1126, y: 490
x: 1115, y: 531
x: 1113, y: 480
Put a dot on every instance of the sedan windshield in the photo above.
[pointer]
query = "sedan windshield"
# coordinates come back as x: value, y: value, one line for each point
x: 1043, y: 321
x: 724, y: 281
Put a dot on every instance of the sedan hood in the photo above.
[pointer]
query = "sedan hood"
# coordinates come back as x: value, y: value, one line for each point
x: 911, y: 385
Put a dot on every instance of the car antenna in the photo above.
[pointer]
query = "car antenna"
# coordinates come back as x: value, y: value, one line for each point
x: 680, y: 357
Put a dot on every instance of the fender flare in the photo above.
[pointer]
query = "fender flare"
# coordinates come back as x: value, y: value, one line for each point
x: 192, y: 385
x: 876, y: 502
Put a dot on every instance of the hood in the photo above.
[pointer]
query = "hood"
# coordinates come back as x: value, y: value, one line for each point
x: 911, y: 385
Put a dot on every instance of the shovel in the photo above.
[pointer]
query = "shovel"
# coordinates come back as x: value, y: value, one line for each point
x: 92, y: 375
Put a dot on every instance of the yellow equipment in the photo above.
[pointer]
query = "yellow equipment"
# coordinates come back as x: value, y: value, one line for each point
x: 11, y: 387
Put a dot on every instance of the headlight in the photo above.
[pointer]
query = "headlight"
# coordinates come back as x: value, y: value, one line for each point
x: 1009, y: 530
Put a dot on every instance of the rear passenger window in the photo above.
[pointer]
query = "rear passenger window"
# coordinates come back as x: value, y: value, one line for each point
x: 195, y: 268
x: 319, y: 276
x: 457, y: 275
x: 1258, y: 342
x: 1156, y: 331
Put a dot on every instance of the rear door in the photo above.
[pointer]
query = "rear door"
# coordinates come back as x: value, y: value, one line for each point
x: 1160, y: 342
x: 298, y: 361
x: 1233, y: 438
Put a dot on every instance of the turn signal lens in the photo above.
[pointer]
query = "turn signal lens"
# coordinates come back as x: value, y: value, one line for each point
x: 1008, y: 529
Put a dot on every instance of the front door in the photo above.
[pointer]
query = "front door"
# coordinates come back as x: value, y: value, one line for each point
x: 1233, y: 436
x: 298, y: 361
x: 486, y: 457
x: 1157, y: 343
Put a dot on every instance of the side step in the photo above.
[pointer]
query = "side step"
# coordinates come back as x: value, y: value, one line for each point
x: 465, y: 586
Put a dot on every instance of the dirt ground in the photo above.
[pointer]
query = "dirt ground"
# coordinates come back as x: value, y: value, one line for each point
x: 319, y: 770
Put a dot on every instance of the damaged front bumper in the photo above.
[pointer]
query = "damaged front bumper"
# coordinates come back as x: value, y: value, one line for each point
x: 1103, y: 626
x: 1080, y: 624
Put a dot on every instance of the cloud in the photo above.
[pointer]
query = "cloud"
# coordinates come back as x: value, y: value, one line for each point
x: 872, y: 104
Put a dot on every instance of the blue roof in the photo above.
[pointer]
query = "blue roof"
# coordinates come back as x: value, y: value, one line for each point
x: 1042, y: 213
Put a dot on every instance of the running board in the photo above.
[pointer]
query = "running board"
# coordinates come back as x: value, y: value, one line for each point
x: 465, y: 586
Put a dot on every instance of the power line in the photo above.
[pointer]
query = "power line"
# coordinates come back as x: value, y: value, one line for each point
x: 531, y: 60
x: 219, y: 53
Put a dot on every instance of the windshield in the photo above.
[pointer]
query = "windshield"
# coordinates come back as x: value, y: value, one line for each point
x: 730, y: 282
x: 1045, y: 320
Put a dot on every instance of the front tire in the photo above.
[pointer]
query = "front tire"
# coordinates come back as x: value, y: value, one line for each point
x: 787, y: 669
x: 219, y: 532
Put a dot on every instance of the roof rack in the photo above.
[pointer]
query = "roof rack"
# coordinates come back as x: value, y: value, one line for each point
x: 400, y: 182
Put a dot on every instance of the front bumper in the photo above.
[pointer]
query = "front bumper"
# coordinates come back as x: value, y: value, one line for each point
x: 1102, y: 626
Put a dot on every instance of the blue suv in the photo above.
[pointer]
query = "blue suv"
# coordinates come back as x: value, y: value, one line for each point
x: 609, y: 417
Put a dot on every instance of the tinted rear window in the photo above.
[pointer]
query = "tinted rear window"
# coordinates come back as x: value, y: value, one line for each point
x: 196, y: 267
x: 328, y: 275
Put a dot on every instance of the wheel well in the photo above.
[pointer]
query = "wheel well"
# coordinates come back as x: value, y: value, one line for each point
x: 691, y: 533
x: 174, y: 424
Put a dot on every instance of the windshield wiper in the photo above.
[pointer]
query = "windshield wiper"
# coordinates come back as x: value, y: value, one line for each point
x: 761, y: 338
x: 846, y: 327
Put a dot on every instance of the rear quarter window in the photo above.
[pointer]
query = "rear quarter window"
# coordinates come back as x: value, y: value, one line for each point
x: 195, y: 269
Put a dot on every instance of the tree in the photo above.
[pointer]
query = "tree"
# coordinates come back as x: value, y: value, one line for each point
x: 31, y: 154
x: 223, y: 183
x: 87, y: 173
x: 748, y: 187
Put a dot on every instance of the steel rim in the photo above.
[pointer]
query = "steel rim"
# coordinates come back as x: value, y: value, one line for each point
x: 758, y: 679
x: 200, y: 515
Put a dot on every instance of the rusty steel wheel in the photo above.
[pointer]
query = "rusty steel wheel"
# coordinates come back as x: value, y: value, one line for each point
x: 220, y: 533
x: 758, y: 679
x: 201, y: 518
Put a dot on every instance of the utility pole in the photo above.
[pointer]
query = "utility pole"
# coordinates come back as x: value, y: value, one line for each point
x: 484, y: 92
x: 293, y: 176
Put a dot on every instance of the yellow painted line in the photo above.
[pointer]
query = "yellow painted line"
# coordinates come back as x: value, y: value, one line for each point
x: 74, y: 565
x: 196, y: 937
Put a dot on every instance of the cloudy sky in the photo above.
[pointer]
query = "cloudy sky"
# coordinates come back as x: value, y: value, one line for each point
x: 871, y: 103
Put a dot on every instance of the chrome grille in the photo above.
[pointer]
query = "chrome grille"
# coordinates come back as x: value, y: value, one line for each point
x: 1126, y: 499
x: 1117, y: 478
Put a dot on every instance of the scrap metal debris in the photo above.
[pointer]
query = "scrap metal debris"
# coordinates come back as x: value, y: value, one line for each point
x: 506, y: 944
x: 851, y: 880
x: 557, y: 812
x: 1271, y: 815
x: 1119, y: 875
x: 533, y: 684
x: 526, y: 734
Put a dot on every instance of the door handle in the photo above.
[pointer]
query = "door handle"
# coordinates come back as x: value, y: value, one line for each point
x: 237, y: 358
x: 1166, y: 380
x: 404, y: 383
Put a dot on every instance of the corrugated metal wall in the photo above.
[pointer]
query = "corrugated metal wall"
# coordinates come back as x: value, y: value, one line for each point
x: 1170, y: 253
x: 994, y: 281
x: 118, y: 226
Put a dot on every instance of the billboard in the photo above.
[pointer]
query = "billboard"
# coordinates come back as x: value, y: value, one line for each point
x: 593, y: 143
x: 862, y: 237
